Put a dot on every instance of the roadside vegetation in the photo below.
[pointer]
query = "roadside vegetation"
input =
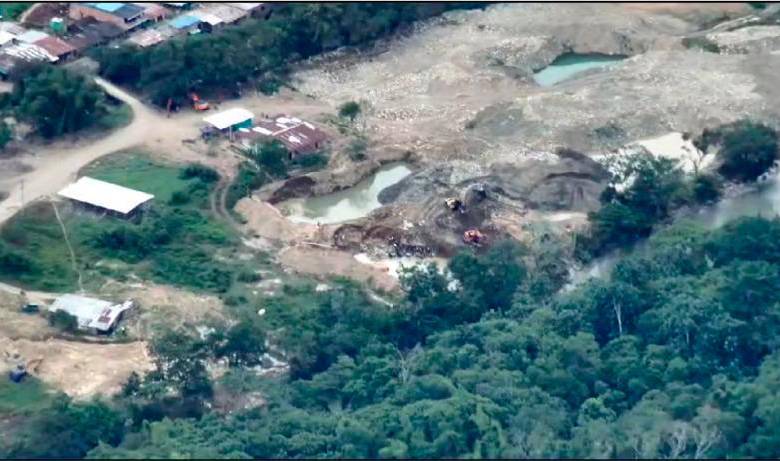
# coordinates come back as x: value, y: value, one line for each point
x: 256, y: 53
x: 13, y: 10
x: 56, y: 102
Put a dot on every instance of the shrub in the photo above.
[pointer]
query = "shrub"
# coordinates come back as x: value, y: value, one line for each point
x: 202, y: 172
x: 747, y: 149
x: 349, y: 110
x: 707, y: 188
x: 64, y: 321
x: 179, y: 198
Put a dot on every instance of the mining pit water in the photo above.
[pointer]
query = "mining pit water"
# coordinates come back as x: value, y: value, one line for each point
x: 348, y: 204
x: 568, y: 65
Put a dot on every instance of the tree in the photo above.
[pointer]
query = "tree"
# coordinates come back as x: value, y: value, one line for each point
x: 6, y: 134
x: 243, y: 344
x: 747, y: 149
x: 68, y: 430
x: 64, y: 321
x: 350, y: 110
x: 57, y: 101
x: 272, y: 157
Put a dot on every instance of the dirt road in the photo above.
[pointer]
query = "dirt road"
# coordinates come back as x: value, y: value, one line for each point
x: 59, y: 164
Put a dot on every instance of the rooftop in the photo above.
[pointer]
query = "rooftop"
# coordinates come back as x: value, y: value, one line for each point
x: 31, y: 36
x: 123, y: 10
x: 6, y: 37
x: 30, y: 53
x: 226, y: 13
x: 183, y: 21
x: 147, y: 38
x: 105, y: 195
x: 228, y: 118
x: 206, y: 17
x: 246, y: 6
x: 90, y: 312
x: 55, y: 46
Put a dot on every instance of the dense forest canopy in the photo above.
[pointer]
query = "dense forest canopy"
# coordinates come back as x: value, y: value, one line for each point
x: 674, y: 355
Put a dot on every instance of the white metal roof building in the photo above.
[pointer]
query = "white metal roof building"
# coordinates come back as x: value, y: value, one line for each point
x: 29, y: 53
x: 229, y: 118
x: 105, y: 195
x: 6, y: 37
x: 91, y: 313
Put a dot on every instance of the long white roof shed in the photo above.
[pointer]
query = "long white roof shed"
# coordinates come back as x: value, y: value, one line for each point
x: 90, y: 312
x: 105, y: 195
x: 229, y: 118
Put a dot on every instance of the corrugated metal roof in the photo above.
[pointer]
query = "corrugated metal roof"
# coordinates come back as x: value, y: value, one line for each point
x: 108, y: 7
x: 90, y: 312
x: 105, y: 195
x: 184, y: 21
x: 229, y: 118
x: 6, y: 37
x: 30, y: 53
x: 55, y: 46
x: 31, y: 36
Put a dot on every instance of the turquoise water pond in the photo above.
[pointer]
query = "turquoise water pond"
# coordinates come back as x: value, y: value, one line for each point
x: 568, y: 65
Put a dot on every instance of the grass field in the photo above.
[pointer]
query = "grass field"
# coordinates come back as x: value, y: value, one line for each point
x: 12, y: 10
x: 30, y: 395
x: 180, y: 244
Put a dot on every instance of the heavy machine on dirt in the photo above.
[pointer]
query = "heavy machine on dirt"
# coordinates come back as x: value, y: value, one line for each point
x: 454, y: 204
x: 19, y: 367
x: 473, y: 237
x: 198, y: 104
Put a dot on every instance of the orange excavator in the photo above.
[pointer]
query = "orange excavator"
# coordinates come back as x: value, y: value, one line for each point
x: 197, y: 103
x: 473, y: 237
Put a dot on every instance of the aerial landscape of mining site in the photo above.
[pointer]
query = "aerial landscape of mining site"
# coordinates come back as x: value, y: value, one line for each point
x: 389, y: 230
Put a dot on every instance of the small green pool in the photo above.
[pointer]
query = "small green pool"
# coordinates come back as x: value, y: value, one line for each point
x: 568, y: 65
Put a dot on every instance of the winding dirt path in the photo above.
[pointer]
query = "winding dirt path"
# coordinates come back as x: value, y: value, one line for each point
x: 61, y: 164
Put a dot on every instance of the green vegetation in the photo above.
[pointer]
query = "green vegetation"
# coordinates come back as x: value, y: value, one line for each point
x: 272, y: 157
x: 57, y: 102
x: 174, y: 242
x: 28, y: 396
x: 248, y: 179
x: 349, y: 110
x: 256, y: 53
x: 12, y: 10
x: 643, y: 192
x: 673, y: 356
x: 64, y: 321
x: 6, y: 134
x: 702, y: 43
x: 747, y: 149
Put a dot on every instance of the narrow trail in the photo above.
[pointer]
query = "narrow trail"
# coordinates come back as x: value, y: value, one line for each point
x: 73, y: 261
x: 218, y: 203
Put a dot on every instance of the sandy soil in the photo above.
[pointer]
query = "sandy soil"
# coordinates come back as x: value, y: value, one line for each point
x: 686, y: 7
x: 323, y: 262
x: 83, y: 370
x: 265, y: 220
x: 79, y: 369
x: 164, y: 307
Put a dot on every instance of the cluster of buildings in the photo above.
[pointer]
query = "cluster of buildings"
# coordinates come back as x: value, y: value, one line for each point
x: 56, y: 32
x: 298, y: 136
